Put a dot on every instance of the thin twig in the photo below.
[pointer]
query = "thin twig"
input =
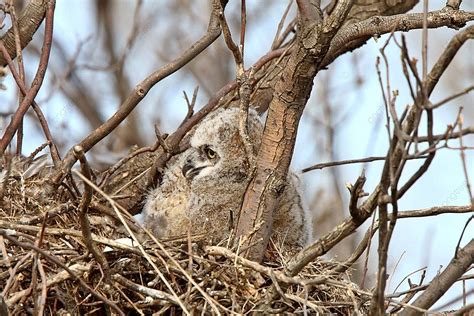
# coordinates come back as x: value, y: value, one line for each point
x: 58, y: 262
x: 323, y: 165
x: 452, y: 97
x: 37, y: 81
x: 463, y: 158
x: 21, y: 85
x: 140, y: 91
x: 115, y: 206
x: 83, y: 210
x: 21, y: 69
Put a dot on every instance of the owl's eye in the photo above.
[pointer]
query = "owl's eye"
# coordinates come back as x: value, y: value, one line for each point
x: 211, y: 154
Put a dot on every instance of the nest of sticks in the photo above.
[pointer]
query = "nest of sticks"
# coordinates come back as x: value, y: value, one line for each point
x: 50, y: 262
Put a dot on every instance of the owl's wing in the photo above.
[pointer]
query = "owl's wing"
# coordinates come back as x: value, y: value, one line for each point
x: 292, y: 221
x: 164, y: 212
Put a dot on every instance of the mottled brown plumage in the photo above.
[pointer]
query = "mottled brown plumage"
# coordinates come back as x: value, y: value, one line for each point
x: 203, y: 187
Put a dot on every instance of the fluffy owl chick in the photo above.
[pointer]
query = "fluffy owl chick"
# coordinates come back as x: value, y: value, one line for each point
x: 203, y: 188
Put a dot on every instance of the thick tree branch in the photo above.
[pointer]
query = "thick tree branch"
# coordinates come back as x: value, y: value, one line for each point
x: 355, y: 35
x: 28, y: 24
x: 289, y: 99
x: 443, y: 281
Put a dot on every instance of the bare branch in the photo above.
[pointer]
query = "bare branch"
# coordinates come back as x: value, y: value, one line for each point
x: 28, y: 24
x: 443, y: 281
x: 354, y: 35
x: 323, y: 165
x: 83, y: 210
x: 286, y: 107
x: 44, y: 124
x: 37, y: 81
x: 140, y: 91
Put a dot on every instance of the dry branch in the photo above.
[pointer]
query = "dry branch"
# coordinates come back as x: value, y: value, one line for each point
x: 140, y: 91
x: 84, y: 208
x: 289, y: 99
x: 443, y: 281
x: 323, y: 245
x: 37, y: 81
x: 354, y: 35
x: 28, y: 23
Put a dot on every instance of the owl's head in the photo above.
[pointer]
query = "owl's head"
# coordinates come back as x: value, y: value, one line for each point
x: 217, y: 148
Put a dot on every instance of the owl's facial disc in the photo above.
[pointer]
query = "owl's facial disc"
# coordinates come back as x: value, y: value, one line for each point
x: 200, y: 162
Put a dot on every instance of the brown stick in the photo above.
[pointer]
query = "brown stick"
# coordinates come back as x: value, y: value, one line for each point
x: 290, y: 97
x: 29, y: 22
x: 140, y: 91
x: 44, y: 124
x: 83, y: 209
x: 58, y: 262
x: 37, y: 81
x: 443, y: 281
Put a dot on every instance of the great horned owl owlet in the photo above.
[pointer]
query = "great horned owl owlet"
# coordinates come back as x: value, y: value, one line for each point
x: 203, y: 187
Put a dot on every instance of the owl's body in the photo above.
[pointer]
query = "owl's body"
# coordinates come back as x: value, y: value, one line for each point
x: 202, y: 188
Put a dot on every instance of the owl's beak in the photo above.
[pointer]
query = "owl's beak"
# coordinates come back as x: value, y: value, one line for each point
x: 190, y: 170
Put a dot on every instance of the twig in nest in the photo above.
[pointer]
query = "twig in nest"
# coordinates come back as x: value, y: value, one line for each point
x: 156, y: 294
x: 280, y: 276
x: 357, y: 191
x: 84, y: 207
x: 4, y: 175
x: 161, y: 139
x: 13, y: 273
x: 115, y: 206
x: 190, y: 104
x: 58, y: 262
x: 3, y: 307
x: 77, y: 269
x: 53, y: 212
x: 38, y: 266
x: 44, y: 288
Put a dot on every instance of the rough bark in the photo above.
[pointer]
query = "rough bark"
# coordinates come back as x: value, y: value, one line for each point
x: 289, y: 99
x: 28, y: 24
